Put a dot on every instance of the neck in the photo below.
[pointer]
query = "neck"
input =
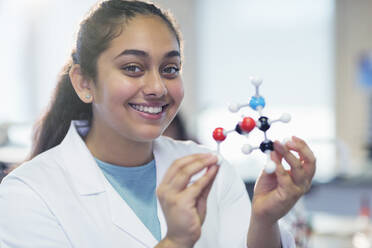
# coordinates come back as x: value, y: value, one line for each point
x: 110, y: 148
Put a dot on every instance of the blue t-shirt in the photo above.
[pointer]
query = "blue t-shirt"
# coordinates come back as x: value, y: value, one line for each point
x: 136, y: 185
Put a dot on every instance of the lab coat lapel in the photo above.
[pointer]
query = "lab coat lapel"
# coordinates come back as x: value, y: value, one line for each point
x: 89, y: 180
x: 80, y: 164
x: 163, y: 159
x: 126, y: 219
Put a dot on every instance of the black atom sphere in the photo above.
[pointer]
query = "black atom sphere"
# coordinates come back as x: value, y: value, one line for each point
x: 264, y: 123
x: 267, y: 145
x: 238, y: 129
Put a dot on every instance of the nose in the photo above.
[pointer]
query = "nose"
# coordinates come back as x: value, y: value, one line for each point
x: 155, y: 85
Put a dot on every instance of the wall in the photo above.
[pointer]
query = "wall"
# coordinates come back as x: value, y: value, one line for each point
x: 353, y: 36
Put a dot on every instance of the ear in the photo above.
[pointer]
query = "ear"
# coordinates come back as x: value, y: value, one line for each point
x: 82, y: 85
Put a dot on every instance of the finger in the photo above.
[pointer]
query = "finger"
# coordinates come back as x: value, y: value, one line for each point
x: 179, y: 163
x: 204, y: 194
x: 300, y: 146
x: 196, y: 189
x: 305, y: 153
x: 276, y: 157
x: 283, y: 176
x: 201, y: 203
x: 291, y: 191
x: 297, y: 170
x: 184, y: 174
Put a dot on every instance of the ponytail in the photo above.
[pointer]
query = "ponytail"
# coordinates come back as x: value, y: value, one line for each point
x: 65, y: 106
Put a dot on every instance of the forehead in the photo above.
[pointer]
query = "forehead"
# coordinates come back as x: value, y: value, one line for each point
x: 144, y: 32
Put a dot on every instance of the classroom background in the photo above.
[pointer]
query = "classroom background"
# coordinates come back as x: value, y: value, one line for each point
x: 315, y: 59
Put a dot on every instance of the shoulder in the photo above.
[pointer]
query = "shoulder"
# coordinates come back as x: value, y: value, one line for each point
x: 42, y: 166
x: 23, y: 207
x: 34, y: 179
x: 20, y: 190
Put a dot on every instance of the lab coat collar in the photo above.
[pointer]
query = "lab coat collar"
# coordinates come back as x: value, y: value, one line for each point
x: 162, y: 164
x: 80, y: 164
x: 89, y: 180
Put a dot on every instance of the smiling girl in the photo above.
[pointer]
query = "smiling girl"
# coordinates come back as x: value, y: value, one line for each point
x: 101, y: 174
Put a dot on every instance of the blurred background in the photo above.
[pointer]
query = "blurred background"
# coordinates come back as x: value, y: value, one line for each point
x: 315, y: 59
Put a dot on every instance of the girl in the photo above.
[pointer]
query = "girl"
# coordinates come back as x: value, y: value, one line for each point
x: 101, y: 174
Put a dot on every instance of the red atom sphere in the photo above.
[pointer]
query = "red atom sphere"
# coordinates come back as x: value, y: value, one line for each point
x: 247, y: 124
x: 218, y: 134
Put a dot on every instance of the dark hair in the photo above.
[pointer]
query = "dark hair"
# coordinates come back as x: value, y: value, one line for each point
x: 102, y: 24
x: 176, y: 129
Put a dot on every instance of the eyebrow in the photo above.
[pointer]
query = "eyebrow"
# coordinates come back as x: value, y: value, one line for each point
x: 141, y: 53
x: 173, y: 53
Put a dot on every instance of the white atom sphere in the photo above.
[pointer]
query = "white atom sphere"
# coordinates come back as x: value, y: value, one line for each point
x: 285, y: 117
x: 270, y: 167
x: 246, y: 149
x: 256, y: 81
x: 234, y: 107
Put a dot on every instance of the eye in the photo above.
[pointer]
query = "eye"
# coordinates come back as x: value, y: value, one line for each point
x: 170, y: 71
x: 133, y: 70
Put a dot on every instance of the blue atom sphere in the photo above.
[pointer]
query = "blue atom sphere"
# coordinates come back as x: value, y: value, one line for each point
x: 257, y: 101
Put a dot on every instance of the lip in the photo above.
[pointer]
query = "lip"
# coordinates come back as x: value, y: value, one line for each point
x: 150, y: 116
x: 150, y: 104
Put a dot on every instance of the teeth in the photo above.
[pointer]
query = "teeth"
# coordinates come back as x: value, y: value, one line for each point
x: 145, y: 109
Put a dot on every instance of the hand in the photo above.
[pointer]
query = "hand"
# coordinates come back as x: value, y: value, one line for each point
x: 184, y: 205
x: 275, y: 194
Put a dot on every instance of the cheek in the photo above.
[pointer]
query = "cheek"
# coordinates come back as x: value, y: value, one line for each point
x: 114, y: 89
x: 120, y: 93
x: 176, y: 91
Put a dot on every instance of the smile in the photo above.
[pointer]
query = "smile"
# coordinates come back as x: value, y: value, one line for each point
x: 148, y: 109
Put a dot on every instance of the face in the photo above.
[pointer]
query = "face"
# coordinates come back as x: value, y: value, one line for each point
x: 138, y: 89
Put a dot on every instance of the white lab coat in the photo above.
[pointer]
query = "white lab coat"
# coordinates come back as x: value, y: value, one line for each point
x: 62, y: 199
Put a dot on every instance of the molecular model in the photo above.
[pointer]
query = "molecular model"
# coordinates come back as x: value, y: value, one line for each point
x: 247, y: 124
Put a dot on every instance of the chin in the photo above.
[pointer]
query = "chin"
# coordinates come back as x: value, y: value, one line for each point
x: 149, y: 134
